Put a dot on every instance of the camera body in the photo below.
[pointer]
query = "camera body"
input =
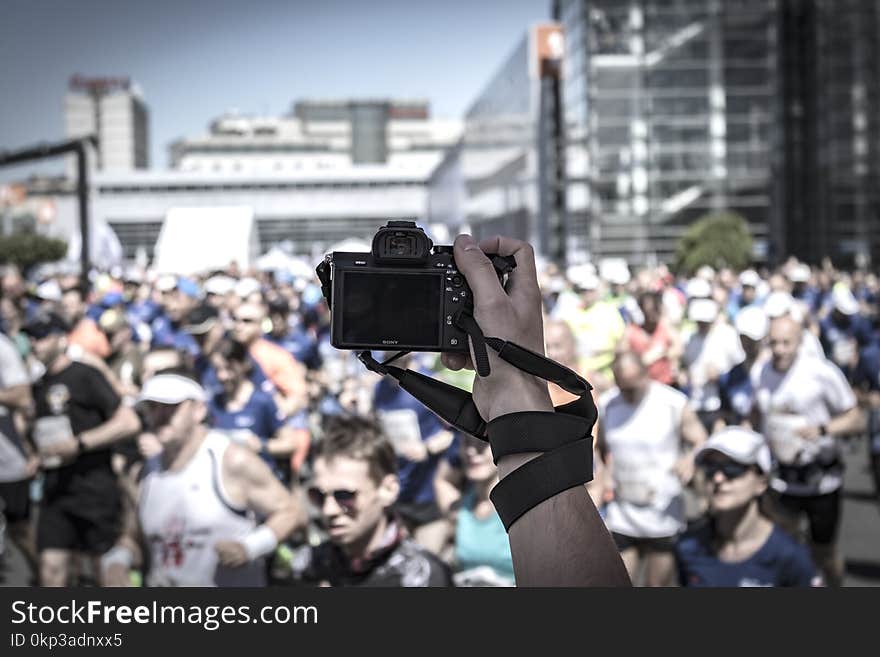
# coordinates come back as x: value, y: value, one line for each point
x: 403, y: 295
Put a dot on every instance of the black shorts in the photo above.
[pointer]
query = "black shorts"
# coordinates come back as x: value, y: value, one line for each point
x: 87, y: 525
x: 661, y: 544
x: 16, y: 496
x: 822, y: 511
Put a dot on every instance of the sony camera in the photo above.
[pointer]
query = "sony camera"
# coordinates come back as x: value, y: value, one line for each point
x: 403, y: 295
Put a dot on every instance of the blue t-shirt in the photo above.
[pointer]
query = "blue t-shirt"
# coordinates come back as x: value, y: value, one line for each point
x: 260, y: 416
x: 165, y: 334
x: 867, y: 373
x: 481, y: 541
x: 416, y: 479
x: 302, y: 346
x: 781, y: 561
x: 737, y: 394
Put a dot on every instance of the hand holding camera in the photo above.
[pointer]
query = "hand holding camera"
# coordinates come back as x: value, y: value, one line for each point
x: 513, y: 314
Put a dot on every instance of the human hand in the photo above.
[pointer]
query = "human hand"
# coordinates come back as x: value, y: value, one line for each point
x: 148, y: 445
x: 413, y: 451
x: 59, y: 453
x: 231, y: 553
x: 514, y: 315
x: 684, y: 469
x: 31, y: 466
x: 439, y: 442
x: 809, y: 432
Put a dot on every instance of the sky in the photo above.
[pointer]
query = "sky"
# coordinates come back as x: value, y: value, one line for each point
x: 194, y: 60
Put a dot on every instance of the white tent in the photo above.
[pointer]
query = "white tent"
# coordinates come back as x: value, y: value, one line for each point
x: 275, y: 259
x: 201, y: 239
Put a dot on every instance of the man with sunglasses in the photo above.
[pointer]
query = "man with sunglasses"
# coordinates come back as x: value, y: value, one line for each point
x: 200, y: 499
x: 354, y: 488
x: 79, y: 417
x: 738, y: 545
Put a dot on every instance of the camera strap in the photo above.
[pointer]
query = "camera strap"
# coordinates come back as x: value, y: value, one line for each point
x: 563, y: 437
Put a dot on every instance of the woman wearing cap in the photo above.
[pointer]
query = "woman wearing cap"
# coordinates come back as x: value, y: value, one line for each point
x: 739, y: 545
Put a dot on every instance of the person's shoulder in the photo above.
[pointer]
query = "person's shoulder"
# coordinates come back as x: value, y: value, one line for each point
x: 782, y: 544
x: 417, y: 567
x: 668, y: 394
x: 609, y: 398
x: 262, y: 347
x: 694, y: 542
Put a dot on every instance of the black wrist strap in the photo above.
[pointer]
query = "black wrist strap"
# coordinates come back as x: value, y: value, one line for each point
x: 535, y: 431
x: 542, y: 478
x: 563, y: 436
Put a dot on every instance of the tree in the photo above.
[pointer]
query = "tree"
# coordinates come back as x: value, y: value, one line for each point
x: 720, y: 239
x: 26, y: 249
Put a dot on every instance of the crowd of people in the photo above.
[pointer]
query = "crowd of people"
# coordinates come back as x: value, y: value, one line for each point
x: 201, y: 430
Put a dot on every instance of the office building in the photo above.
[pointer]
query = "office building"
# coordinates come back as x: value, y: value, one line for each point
x: 114, y: 111
x: 677, y: 108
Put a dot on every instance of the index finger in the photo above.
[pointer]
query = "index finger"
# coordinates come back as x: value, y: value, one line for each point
x: 523, y: 279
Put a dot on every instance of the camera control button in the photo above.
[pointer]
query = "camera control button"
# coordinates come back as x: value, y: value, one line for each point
x: 454, y: 299
x: 453, y: 341
x: 457, y: 281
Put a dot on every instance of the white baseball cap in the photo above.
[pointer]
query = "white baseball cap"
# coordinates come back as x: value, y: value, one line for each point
x: 738, y: 444
x: 171, y: 389
x: 220, y: 285
x: 246, y: 287
x: 752, y: 322
x: 844, y: 301
x: 750, y: 278
x: 583, y: 276
x: 799, y: 273
x: 703, y: 310
x: 778, y: 304
x: 698, y: 288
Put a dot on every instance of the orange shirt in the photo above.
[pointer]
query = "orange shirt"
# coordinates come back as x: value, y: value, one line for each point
x: 89, y: 338
x: 280, y: 367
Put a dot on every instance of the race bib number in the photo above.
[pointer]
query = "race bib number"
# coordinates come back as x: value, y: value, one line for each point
x: 781, y: 433
x: 49, y: 431
x: 401, y: 427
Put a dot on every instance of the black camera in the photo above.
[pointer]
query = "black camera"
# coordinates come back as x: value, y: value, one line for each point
x: 404, y: 295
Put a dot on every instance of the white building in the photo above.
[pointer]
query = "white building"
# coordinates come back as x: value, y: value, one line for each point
x: 114, y: 111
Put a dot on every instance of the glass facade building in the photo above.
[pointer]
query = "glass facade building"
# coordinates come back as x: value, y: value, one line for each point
x: 676, y: 108
x: 502, y: 177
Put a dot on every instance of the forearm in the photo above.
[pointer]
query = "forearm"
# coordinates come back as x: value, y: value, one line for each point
x: 285, y: 442
x: 16, y: 397
x: 285, y: 520
x: 848, y: 423
x: 123, y: 424
x: 562, y: 541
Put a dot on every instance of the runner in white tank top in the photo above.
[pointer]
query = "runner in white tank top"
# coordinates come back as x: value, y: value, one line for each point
x: 201, y: 500
x: 184, y: 513
x: 642, y: 427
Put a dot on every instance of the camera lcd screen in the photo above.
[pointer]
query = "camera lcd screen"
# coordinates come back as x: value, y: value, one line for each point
x: 398, y: 308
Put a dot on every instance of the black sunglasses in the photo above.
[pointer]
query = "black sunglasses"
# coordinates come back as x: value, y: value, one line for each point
x: 155, y: 415
x: 729, y: 469
x: 344, y: 498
